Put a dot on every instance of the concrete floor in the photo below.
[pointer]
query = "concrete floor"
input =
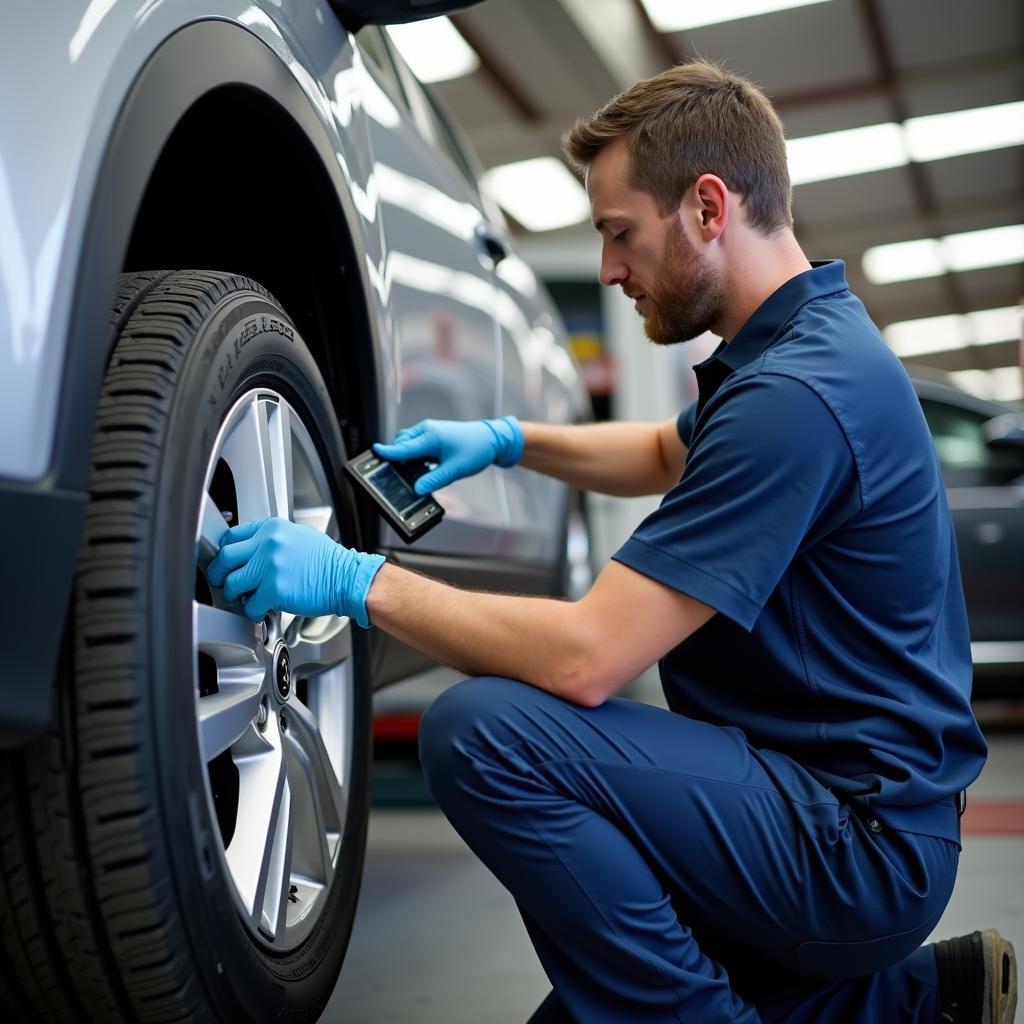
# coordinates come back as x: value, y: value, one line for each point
x: 438, y: 941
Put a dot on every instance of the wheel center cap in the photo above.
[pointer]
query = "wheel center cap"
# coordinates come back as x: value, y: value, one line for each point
x: 283, y: 673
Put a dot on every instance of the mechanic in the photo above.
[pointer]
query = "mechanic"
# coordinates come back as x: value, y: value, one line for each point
x: 778, y: 845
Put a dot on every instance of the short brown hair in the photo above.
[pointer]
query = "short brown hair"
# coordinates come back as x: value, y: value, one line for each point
x: 693, y: 119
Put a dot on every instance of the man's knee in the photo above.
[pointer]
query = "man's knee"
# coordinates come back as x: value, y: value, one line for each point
x: 456, y: 717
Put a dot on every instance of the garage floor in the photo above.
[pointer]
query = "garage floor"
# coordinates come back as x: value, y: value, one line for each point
x: 437, y: 939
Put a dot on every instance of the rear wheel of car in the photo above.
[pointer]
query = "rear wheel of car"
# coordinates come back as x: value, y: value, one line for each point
x: 187, y: 841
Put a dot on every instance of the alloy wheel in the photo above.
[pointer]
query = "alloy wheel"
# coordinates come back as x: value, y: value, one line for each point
x: 274, y: 699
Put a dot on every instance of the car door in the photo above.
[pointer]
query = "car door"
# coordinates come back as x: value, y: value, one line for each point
x: 537, y: 378
x: 439, y: 289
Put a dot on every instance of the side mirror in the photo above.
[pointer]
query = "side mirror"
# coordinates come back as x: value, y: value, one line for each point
x: 1006, y: 431
x: 354, y: 14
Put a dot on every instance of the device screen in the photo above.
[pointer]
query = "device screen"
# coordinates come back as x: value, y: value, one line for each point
x: 396, y: 491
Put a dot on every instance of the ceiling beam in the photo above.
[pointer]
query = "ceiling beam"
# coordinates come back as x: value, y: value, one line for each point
x: 669, y: 54
x: 970, y: 357
x: 491, y: 68
x: 875, y: 85
x: 619, y: 33
x: 901, y: 225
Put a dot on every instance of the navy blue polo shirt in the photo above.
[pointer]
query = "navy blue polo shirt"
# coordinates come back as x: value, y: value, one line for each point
x: 812, y: 517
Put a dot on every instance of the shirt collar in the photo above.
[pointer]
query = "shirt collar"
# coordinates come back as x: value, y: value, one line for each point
x: 824, y: 278
x: 764, y: 324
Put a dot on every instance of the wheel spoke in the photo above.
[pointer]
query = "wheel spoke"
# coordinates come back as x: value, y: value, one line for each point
x: 246, y: 451
x: 313, y: 652
x: 311, y: 820
x: 275, y: 873
x: 228, y: 638
x: 224, y: 716
x: 307, y: 744
x: 259, y: 850
x: 320, y: 517
x: 212, y: 527
x: 324, y: 660
x: 282, y: 482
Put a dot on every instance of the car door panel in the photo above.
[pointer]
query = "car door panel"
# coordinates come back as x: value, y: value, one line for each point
x: 439, y: 314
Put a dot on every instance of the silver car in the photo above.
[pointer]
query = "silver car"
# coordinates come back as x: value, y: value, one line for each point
x: 238, y: 243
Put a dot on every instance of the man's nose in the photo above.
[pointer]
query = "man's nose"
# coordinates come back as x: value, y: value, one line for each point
x: 613, y: 271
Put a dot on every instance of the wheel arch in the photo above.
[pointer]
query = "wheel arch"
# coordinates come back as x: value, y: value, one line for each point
x: 278, y: 222
x: 165, y: 158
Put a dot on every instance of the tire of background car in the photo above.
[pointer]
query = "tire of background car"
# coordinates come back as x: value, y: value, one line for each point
x: 125, y: 894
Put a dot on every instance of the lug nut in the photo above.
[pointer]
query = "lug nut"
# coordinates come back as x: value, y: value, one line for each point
x: 265, y: 631
x: 284, y: 723
x: 261, y: 714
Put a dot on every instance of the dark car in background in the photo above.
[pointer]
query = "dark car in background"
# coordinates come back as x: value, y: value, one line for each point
x: 980, y: 446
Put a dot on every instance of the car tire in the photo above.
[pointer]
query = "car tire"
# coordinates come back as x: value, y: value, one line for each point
x: 121, y: 897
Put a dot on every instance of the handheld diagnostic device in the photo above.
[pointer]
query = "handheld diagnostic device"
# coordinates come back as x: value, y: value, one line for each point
x: 390, y: 485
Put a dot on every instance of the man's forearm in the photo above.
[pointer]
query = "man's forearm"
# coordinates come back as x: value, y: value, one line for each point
x: 533, y: 639
x: 624, y: 459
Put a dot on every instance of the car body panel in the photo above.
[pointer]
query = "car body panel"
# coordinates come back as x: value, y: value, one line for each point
x: 105, y: 77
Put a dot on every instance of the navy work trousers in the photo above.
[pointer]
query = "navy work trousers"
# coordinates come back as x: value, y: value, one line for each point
x: 668, y: 871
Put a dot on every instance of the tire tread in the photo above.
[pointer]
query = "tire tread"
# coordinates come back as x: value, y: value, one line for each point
x: 86, y: 904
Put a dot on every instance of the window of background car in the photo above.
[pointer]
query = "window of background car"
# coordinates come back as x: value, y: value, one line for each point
x: 964, y: 456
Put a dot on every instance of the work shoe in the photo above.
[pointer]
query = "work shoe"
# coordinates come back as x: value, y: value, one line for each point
x: 977, y: 979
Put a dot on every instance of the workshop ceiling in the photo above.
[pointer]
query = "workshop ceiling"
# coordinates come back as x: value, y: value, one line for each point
x: 827, y: 66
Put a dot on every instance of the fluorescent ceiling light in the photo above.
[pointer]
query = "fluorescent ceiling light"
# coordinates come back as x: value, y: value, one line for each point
x: 938, y: 136
x: 929, y: 257
x: 1001, y: 384
x: 930, y: 334
x: 434, y: 49
x: 993, y: 247
x: 852, y: 151
x: 989, y: 326
x: 677, y: 16
x: 944, y: 333
x: 880, y: 146
x: 541, y: 193
x: 903, y: 261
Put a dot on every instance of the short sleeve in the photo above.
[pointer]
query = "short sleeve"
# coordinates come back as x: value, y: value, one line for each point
x: 685, y: 422
x: 769, y: 464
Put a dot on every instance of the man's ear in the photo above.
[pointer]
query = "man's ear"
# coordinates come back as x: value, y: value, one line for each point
x: 712, y: 206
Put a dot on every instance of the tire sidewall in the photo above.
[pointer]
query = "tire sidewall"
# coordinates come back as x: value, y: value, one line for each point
x: 247, y: 342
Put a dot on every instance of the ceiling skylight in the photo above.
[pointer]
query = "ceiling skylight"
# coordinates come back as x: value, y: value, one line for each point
x: 929, y: 257
x: 938, y: 136
x: 945, y: 333
x: 851, y: 151
x: 880, y: 146
x: 680, y: 15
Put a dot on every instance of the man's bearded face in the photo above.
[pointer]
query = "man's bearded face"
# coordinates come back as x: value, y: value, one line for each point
x: 685, y: 298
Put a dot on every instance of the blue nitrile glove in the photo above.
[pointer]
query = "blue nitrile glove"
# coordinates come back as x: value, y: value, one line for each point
x: 461, y: 448
x: 285, y: 566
